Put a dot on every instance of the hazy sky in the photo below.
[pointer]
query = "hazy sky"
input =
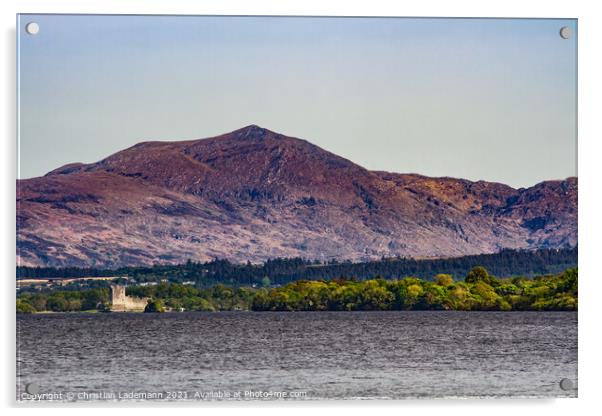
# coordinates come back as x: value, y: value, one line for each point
x: 471, y: 98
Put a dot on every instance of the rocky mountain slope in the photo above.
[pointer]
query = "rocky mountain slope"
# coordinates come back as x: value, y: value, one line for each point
x: 253, y: 194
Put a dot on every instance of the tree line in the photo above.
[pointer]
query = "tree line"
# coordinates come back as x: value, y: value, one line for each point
x: 505, y: 263
x: 478, y: 290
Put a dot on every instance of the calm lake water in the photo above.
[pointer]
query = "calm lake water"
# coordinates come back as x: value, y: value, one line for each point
x: 299, y: 355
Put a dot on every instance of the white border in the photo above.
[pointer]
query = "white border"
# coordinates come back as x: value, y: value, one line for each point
x: 590, y: 28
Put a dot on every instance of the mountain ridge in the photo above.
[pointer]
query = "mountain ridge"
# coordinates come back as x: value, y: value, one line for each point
x: 254, y: 194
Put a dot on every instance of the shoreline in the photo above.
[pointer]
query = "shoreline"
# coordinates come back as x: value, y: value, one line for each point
x: 300, y: 311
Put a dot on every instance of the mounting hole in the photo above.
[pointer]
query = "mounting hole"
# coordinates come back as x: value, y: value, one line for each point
x: 565, y: 32
x: 32, y: 388
x: 566, y: 384
x: 32, y: 28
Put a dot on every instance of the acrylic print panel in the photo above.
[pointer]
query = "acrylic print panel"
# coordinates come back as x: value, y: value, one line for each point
x: 287, y: 208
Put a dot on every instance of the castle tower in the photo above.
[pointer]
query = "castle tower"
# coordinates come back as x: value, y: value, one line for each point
x: 120, y: 302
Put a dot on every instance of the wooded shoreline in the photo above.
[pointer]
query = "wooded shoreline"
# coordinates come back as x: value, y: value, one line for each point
x: 478, y: 291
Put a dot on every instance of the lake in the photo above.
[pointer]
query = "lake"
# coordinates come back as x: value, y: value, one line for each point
x: 295, y: 355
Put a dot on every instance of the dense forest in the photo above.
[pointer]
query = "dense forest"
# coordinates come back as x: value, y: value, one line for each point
x: 478, y: 290
x: 506, y: 263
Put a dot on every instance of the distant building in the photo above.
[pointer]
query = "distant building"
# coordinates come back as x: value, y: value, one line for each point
x: 120, y: 302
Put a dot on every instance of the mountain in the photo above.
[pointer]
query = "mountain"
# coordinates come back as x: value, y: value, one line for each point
x: 254, y: 194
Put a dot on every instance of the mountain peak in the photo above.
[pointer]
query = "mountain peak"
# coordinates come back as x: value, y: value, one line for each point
x: 252, y: 131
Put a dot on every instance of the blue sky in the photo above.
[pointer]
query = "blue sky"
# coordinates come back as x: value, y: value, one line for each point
x: 491, y: 99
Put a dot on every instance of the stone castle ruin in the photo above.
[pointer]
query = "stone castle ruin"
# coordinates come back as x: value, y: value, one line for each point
x: 120, y: 302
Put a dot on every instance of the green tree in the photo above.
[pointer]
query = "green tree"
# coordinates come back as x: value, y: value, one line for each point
x: 568, y: 282
x: 57, y: 303
x: 24, y: 307
x: 38, y: 301
x: 485, y: 295
x: 444, y: 279
x: 458, y: 298
x: 434, y: 297
x: 375, y: 296
x: 93, y: 298
x: 478, y: 274
x: 411, y: 295
x: 154, y: 306
x: 261, y: 301
x: 345, y: 297
x: 175, y: 304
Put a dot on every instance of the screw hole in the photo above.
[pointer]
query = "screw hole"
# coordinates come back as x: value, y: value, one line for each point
x: 32, y: 28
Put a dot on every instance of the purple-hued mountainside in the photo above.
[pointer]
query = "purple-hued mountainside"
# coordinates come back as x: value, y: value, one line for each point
x: 254, y: 194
